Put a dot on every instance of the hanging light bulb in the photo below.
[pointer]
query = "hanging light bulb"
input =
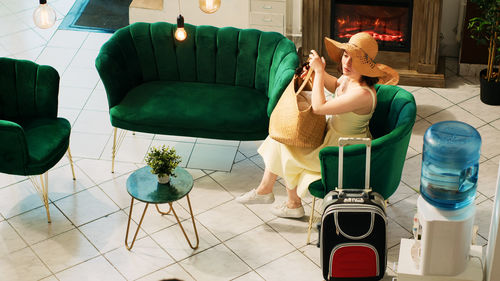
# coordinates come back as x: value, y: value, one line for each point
x: 44, y: 16
x: 209, y: 6
x: 180, y: 32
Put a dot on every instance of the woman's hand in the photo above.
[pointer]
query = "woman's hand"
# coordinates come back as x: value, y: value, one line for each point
x: 316, y: 62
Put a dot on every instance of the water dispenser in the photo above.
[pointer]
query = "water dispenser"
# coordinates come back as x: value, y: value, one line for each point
x: 450, y: 164
x: 443, y: 225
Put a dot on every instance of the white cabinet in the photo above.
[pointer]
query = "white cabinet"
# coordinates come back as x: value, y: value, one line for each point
x: 268, y: 15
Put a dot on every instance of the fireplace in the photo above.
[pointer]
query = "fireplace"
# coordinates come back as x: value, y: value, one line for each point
x: 388, y: 21
x: 407, y: 31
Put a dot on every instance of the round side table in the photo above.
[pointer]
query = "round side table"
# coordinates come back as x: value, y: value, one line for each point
x: 144, y: 186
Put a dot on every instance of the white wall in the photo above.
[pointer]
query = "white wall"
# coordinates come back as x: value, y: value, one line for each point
x: 452, y: 12
x: 296, y: 17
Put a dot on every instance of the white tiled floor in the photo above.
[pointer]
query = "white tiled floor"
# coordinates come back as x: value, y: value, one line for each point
x: 85, y: 240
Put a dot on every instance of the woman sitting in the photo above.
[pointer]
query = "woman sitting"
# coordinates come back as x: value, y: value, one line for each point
x: 351, y: 109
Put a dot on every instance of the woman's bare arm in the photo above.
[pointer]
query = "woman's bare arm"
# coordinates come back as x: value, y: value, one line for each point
x: 331, y: 82
x: 353, y: 99
x: 318, y: 95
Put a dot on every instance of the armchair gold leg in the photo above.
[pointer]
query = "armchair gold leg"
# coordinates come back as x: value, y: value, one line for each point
x: 182, y: 228
x: 311, y: 218
x: 116, y: 146
x: 42, y: 189
x: 71, y: 162
x: 113, y: 159
x: 138, y: 226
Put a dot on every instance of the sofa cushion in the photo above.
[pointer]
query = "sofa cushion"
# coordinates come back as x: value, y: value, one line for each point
x: 193, y: 109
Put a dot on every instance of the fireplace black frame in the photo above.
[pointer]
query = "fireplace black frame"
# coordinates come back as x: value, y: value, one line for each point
x: 389, y: 3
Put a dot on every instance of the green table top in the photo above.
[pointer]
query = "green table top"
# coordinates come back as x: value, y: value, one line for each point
x: 144, y: 186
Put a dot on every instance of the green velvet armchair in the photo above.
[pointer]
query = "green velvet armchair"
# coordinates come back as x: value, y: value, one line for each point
x: 33, y: 138
x: 219, y: 83
x: 391, y: 126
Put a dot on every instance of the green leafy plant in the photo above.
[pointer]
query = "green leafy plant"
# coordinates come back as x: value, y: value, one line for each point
x: 486, y: 31
x: 162, y: 160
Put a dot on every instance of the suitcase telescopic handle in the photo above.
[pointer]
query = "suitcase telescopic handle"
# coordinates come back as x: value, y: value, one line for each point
x: 349, y: 141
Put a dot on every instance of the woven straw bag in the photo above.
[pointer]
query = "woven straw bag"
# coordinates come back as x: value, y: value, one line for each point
x: 293, y: 121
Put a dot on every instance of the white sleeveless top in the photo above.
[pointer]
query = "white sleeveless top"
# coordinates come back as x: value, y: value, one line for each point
x: 351, y: 123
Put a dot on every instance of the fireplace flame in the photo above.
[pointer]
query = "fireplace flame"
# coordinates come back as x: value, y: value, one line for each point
x: 380, y: 30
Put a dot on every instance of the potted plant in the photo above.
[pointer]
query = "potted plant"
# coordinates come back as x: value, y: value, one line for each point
x: 485, y: 29
x: 163, y: 161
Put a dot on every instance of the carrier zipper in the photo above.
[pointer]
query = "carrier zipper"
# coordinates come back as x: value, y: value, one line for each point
x: 357, y: 208
x: 360, y: 209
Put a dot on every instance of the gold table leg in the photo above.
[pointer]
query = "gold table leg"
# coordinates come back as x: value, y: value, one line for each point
x: 163, y: 213
x: 182, y: 228
x: 138, y: 227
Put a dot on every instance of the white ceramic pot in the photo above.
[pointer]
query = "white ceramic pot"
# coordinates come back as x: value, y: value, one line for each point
x: 164, y: 179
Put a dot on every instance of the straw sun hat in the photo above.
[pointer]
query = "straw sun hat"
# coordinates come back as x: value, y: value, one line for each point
x: 363, y: 49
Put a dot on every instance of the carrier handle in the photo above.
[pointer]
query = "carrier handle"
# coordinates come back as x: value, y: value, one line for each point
x: 349, y: 141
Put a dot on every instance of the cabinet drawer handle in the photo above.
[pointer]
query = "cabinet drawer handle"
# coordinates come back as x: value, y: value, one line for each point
x: 267, y: 7
x: 267, y: 19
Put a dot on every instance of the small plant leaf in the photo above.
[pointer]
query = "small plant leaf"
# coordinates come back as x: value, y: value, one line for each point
x: 162, y: 160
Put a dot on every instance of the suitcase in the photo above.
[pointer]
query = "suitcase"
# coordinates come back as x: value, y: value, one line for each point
x: 353, y: 228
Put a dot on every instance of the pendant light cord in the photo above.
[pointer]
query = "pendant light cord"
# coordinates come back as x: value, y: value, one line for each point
x: 179, y: 7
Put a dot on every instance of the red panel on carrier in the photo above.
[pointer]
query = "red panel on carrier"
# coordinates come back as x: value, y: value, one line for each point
x: 354, y: 260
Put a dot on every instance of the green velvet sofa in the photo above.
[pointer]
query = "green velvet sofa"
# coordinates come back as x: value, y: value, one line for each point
x: 220, y: 83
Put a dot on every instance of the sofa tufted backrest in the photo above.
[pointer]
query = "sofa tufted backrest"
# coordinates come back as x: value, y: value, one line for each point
x: 240, y: 57
x: 27, y: 90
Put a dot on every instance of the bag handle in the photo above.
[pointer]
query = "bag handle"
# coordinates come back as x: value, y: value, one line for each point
x: 304, y: 83
x: 348, y: 141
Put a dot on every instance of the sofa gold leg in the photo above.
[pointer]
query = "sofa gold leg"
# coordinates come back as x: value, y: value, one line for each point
x: 43, y: 190
x: 116, y: 146
x: 71, y: 163
x: 311, y: 218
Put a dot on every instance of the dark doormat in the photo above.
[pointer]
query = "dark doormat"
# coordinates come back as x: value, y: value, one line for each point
x: 97, y: 15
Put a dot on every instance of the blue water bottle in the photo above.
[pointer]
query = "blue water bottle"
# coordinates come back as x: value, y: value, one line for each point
x: 450, y: 164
